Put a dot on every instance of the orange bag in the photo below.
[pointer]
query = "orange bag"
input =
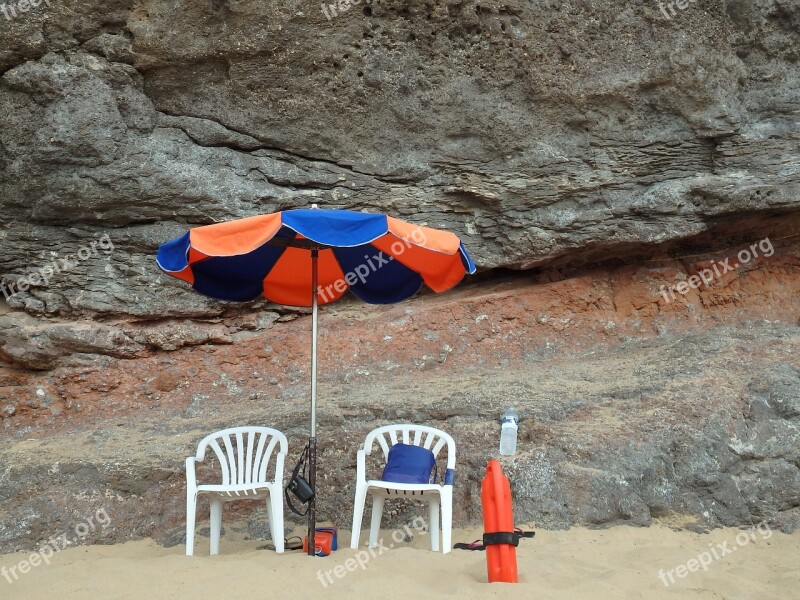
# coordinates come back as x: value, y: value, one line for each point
x: 323, y: 542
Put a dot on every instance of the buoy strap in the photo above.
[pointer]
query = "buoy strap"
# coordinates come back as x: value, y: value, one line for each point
x: 477, y: 545
x: 501, y: 537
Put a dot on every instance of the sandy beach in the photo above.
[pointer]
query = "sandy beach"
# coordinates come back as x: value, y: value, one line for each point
x: 621, y: 562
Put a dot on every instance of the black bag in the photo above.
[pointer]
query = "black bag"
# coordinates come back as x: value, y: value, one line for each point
x: 299, y: 486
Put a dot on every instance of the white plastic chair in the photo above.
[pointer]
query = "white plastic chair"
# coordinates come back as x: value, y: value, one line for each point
x: 434, y: 493
x: 244, y: 454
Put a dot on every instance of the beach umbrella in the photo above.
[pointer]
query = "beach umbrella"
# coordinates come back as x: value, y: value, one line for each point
x: 309, y: 257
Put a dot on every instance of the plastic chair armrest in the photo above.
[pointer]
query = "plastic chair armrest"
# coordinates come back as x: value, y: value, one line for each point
x: 191, y: 477
x: 279, y: 461
x: 361, y: 469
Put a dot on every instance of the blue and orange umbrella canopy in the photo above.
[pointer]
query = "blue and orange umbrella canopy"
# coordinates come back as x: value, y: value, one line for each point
x: 380, y: 259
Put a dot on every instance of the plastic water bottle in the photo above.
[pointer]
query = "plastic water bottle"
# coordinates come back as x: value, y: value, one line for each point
x: 508, y: 433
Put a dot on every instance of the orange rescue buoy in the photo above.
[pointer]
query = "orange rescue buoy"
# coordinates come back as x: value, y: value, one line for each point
x: 498, y: 525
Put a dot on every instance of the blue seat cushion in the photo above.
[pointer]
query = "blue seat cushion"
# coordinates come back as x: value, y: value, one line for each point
x: 409, y: 464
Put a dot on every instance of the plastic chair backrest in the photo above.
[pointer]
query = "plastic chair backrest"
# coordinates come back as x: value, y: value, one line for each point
x: 418, y: 435
x: 244, y: 453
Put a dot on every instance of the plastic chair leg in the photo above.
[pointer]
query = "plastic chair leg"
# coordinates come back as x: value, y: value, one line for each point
x: 270, y: 518
x: 216, y: 524
x: 191, y: 509
x: 434, y: 523
x: 358, y: 515
x: 377, y: 514
x: 447, y: 521
x: 275, y: 503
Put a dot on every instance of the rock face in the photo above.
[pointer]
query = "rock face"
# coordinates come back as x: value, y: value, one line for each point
x: 634, y: 408
x: 606, y: 143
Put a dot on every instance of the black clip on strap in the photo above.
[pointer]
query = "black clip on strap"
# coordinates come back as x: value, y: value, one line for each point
x: 501, y: 537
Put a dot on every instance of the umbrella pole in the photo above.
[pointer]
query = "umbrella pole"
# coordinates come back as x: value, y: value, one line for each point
x: 312, y: 441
